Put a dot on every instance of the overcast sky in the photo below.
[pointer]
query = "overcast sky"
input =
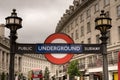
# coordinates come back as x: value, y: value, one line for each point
x: 40, y: 17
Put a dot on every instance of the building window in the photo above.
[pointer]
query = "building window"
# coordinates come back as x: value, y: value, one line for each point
x: 72, y: 35
x: 109, y: 38
x: 88, y: 13
x: 76, y: 22
x: 71, y: 26
x: 82, y: 42
x: 19, y: 63
x: 88, y: 27
x: 90, y: 59
x: 76, y: 34
x: 110, y: 58
x: 82, y: 61
x: 16, y: 61
x: 82, y: 31
x: 107, y: 14
x: 3, y: 59
x: 119, y: 32
x: 68, y: 29
x: 96, y: 7
x: 97, y: 39
x: 94, y: 58
x: 118, y: 11
x: 81, y: 18
x: 83, y: 0
x: 89, y: 40
x: 7, y: 62
x: 64, y: 30
x: 106, y: 2
x: 115, y: 56
x: 99, y: 61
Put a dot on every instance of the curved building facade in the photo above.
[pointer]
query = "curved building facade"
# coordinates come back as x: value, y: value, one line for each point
x: 79, y: 23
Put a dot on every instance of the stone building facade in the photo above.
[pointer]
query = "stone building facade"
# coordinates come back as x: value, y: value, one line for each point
x: 79, y: 23
x: 23, y: 62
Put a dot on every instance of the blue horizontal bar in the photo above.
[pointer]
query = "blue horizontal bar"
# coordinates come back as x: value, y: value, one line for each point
x: 58, y: 48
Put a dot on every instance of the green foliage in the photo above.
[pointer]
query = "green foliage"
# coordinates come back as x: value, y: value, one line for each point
x: 3, y: 76
x: 21, y: 76
x: 53, y: 77
x: 46, y: 74
x: 73, y: 69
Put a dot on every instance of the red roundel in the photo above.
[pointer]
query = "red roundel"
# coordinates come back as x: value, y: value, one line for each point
x: 63, y: 59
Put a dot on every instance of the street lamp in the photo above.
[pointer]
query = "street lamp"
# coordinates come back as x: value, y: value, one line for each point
x: 103, y: 23
x: 13, y: 23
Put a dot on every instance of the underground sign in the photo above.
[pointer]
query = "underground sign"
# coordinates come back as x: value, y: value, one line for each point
x: 58, y: 58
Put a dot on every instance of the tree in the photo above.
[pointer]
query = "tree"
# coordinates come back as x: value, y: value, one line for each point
x: 3, y: 76
x: 73, y: 69
x: 21, y: 77
x: 46, y: 74
x: 53, y: 77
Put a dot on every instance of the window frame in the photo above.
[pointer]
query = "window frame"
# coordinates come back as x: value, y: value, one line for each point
x: 88, y: 27
x: 106, y: 2
x: 96, y: 7
x: 82, y: 31
x: 118, y: 10
x: 88, y: 13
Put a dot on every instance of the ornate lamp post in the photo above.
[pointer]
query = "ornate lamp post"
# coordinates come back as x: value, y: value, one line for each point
x: 13, y: 23
x: 103, y: 23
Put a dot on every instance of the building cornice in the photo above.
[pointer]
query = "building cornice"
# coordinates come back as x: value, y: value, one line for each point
x: 72, y: 13
x: 4, y: 42
x: 4, y: 46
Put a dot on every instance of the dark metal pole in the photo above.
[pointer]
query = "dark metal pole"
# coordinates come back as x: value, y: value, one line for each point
x: 13, y: 38
x: 13, y: 23
x: 104, y: 54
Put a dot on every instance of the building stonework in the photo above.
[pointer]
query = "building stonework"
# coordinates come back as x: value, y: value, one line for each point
x: 2, y: 30
x: 23, y: 62
x: 36, y: 61
x: 5, y: 56
x: 79, y: 24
